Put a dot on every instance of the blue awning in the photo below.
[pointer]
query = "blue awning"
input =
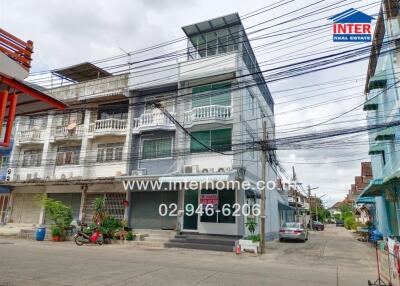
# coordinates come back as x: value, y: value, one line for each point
x: 284, y: 207
x: 375, y: 188
x: 4, y: 189
x: 365, y: 200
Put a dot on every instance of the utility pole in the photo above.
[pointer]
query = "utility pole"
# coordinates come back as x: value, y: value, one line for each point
x: 309, y: 201
x: 263, y: 179
x: 295, y: 194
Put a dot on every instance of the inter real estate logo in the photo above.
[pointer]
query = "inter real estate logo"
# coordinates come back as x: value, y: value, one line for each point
x: 351, y: 26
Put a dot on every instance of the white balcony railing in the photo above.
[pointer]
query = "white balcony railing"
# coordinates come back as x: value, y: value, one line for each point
x: 210, y: 112
x: 30, y: 136
x: 64, y: 132
x: 152, y: 120
x: 108, y: 127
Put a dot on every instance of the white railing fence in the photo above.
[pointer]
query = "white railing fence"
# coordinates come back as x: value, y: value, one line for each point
x: 209, y: 112
x: 110, y: 124
x: 152, y: 119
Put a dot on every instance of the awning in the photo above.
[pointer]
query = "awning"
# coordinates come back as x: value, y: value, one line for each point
x: 393, y: 177
x: 4, y: 189
x: 203, y: 178
x: 376, y: 149
x: 378, y: 81
x: 365, y: 200
x: 253, y: 194
x: 374, y: 188
x: 386, y: 134
x: 371, y: 104
x: 284, y: 207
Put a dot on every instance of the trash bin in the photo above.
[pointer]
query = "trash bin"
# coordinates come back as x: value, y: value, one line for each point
x: 40, y: 233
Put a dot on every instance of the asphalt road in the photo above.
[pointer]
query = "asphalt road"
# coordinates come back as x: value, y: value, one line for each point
x: 331, y: 257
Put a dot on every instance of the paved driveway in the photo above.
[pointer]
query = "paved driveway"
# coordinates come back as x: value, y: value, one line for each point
x: 332, y: 257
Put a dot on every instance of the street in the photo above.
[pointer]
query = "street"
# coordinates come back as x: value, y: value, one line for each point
x: 331, y: 257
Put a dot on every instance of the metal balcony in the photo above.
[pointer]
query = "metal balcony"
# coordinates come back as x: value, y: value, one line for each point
x: 152, y: 121
x: 106, y: 127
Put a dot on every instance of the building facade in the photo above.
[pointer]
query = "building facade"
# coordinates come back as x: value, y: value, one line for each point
x: 382, y: 99
x: 198, y: 121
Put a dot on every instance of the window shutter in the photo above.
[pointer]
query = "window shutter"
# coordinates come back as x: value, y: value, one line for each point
x: 221, y: 139
x: 203, y: 137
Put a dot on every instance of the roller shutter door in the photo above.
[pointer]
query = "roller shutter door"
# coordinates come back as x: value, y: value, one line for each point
x: 145, y: 210
x: 26, y: 209
x: 72, y: 200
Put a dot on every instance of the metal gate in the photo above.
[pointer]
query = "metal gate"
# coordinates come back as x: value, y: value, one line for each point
x: 145, y: 210
x: 114, y: 205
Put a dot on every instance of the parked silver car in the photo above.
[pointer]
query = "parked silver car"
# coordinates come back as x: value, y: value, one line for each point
x: 293, y: 231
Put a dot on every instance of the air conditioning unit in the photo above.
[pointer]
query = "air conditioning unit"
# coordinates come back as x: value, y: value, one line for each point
x: 63, y: 177
x: 29, y: 176
x: 17, y: 177
x: 191, y: 169
x: 47, y: 178
x: 208, y: 170
x: 224, y: 170
x: 139, y: 172
x: 35, y: 175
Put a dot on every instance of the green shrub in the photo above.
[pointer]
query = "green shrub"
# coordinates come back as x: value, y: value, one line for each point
x: 251, y: 225
x: 59, y: 213
x: 350, y: 222
x: 253, y: 237
x: 110, y: 226
x: 130, y: 235
x: 55, y: 231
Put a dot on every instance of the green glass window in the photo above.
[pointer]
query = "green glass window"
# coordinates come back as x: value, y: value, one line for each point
x: 218, y: 139
x: 212, y: 94
x: 203, y: 137
x: 221, y: 139
x: 156, y: 148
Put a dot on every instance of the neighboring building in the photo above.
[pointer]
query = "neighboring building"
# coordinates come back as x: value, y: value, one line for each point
x: 382, y: 99
x: 360, y: 183
x: 113, y: 132
x: 73, y: 156
x: 5, y: 153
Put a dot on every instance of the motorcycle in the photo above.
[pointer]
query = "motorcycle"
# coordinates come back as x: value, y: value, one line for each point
x: 81, y: 237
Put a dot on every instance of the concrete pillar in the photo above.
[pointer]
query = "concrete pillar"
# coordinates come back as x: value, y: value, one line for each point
x: 126, y: 152
x: 47, y: 153
x: 85, y: 156
x: 42, y: 215
x: 83, y: 203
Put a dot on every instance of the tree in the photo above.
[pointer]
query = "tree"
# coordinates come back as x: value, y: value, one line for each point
x: 59, y: 213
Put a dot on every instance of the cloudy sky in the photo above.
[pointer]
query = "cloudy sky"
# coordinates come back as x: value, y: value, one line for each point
x: 69, y: 32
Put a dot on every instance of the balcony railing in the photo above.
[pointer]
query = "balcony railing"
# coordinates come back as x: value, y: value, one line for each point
x: 63, y: 132
x: 210, y: 112
x: 30, y: 136
x: 108, y: 127
x: 152, y: 120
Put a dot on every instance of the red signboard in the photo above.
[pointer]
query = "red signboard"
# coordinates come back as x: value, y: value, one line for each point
x: 209, y: 199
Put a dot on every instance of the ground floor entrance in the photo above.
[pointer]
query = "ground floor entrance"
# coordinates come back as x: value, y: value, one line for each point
x: 72, y: 200
x: 145, y: 210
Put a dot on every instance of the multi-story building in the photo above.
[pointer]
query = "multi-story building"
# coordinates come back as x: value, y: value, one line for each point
x: 220, y: 97
x: 73, y: 156
x: 382, y: 103
x: 200, y: 120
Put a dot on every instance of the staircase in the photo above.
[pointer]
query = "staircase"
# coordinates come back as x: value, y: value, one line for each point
x: 153, y: 238
x: 203, y: 242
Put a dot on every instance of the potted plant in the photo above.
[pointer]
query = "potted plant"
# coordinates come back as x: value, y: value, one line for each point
x: 251, y: 242
x: 60, y: 214
x: 55, y: 233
